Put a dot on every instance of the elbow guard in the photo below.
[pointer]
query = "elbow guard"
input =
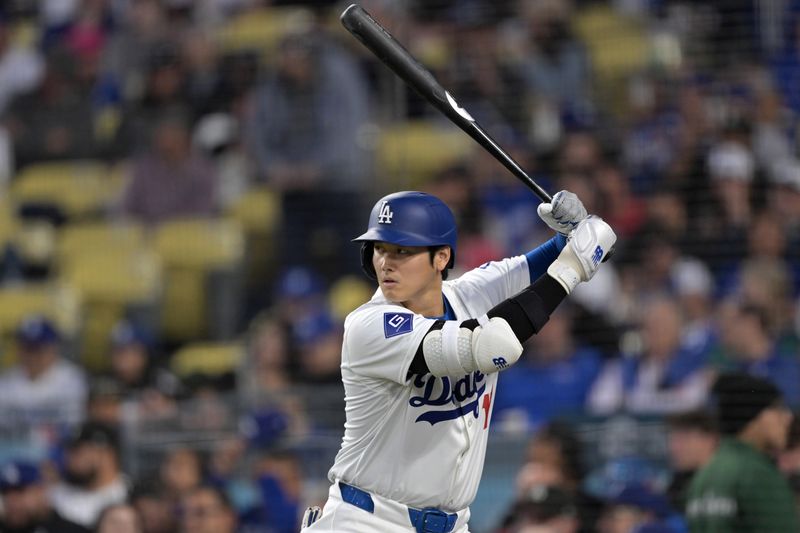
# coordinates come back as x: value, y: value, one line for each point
x: 455, y: 350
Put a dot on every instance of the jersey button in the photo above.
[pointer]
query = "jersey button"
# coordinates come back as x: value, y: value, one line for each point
x: 470, y: 423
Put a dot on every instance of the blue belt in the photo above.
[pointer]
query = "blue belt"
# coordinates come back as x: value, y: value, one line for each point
x: 424, y: 520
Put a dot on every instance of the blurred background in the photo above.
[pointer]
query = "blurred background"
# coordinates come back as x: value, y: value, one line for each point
x: 180, y: 181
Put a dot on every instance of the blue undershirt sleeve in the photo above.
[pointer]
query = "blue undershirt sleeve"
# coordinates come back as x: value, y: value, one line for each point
x: 540, y: 257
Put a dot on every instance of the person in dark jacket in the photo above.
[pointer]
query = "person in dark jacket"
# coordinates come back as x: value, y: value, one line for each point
x: 741, y: 490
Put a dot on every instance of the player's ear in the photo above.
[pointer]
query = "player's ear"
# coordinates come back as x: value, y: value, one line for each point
x: 442, y: 258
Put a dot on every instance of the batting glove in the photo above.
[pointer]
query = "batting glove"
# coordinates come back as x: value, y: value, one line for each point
x: 586, y: 247
x: 563, y: 213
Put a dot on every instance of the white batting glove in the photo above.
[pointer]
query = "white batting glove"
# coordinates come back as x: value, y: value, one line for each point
x: 586, y: 247
x: 563, y: 213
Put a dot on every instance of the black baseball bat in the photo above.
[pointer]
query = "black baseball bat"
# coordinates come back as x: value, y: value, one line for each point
x: 386, y: 48
x: 396, y: 57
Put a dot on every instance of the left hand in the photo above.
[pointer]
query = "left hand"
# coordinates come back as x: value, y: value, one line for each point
x: 563, y: 213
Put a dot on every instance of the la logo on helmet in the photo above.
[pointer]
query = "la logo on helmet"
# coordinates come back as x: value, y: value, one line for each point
x: 385, y: 215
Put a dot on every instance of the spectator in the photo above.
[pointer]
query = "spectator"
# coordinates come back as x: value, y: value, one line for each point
x: 135, y: 367
x: 318, y: 339
x: 206, y: 509
x: 552, y: 62
x: 21, y: 68
x: 92, y: 475
x: 747, y: 345
x: 140, y: 28
x: 552, y: 379
x: 156, y: 510
x: 692, y: 440
x: 741, y: 489
x: 280, y: 483
x: 181, y: 471
x: 789, y: 459
x: 720, y: 228
x: 164, y: 85
x: 555, y: 458
x: 640, y: 509
x: 55, y: 121
x: 692, y: 283
x: 303, y: 135
x: 119, y: 518
x: 664, y: 378
x: 26, y: 506
x: 171, y: 179
x: 543, y: 509
x: 625, y: 212
x: 105, y: 403
x: 43, y: 388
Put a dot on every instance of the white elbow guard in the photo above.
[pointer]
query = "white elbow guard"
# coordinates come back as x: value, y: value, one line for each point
x: 453, y: 350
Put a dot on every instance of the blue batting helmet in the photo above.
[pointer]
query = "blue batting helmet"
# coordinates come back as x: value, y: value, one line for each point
x: 408, y: 218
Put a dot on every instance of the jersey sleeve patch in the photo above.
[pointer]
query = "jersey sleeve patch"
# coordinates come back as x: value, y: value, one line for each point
x: 395, y: 324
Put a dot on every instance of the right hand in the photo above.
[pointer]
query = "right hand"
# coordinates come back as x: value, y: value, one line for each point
x: 563, y: 213
x: 587, y: 245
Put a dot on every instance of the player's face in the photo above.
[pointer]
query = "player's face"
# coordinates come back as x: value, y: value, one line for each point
x: 777, y: 420
x: 407, y: 276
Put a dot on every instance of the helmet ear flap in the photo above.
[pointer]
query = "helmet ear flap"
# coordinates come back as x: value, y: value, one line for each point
x: 366, y: 260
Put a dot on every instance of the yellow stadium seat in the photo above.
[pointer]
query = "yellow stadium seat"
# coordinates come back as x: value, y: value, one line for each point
x: 112, y: 282
x: 124, y: 277
x: 8, y: 222
x: 617, y: 44
x: 617, y: 47
x: 76, y: 188
x: 203, y: 260
x: 58, y: 301
x: 33, y: 240
x: 110, y: 238
x: 261, y: 29
x: 408, y: 154
x: 258, y: 213
x: 257, y: 210
x: 347, y: 294
x: 207, y: 358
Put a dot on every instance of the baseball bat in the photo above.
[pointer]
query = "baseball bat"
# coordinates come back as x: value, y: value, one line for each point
x: 392, y: 54
x: 381, y: 43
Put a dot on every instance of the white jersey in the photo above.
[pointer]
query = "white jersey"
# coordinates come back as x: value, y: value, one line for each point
x: 418, y: 441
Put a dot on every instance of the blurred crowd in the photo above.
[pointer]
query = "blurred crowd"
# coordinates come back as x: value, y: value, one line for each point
x: 675, y: 121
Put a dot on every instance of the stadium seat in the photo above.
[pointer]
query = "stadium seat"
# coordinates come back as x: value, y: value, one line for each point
x: 58, y: 301
x: 76, y: 189
x: 114, y: 283
x: 617, y: 46
x: 408, y: 154
x: 207, y: 358
x: 32, y: 240
x: 88, y: 237
x: 258, y: 213
x: 260, y: 29
x: 8, y: 222
x: 203, y: 261
x: 347, y: 294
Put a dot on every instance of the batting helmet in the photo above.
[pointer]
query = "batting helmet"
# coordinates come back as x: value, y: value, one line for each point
x: 408, y: 218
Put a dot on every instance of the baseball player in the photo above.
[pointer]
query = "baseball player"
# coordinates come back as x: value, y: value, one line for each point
x: 420, y: 360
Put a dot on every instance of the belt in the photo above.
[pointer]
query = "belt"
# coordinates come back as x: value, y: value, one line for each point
x: 427, y: 520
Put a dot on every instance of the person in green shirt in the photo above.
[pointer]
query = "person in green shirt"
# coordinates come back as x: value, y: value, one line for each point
x: 741, y: 490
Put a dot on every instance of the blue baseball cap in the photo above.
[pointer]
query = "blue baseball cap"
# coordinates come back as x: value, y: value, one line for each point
x: 37, y: 330
x: 16, y: 475
x: 313, y: 328
x: 642, y: 497
x: 299, y: 282
x: 127, y: 333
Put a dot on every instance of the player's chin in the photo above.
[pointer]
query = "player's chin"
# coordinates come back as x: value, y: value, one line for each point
x: 390, y: 290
